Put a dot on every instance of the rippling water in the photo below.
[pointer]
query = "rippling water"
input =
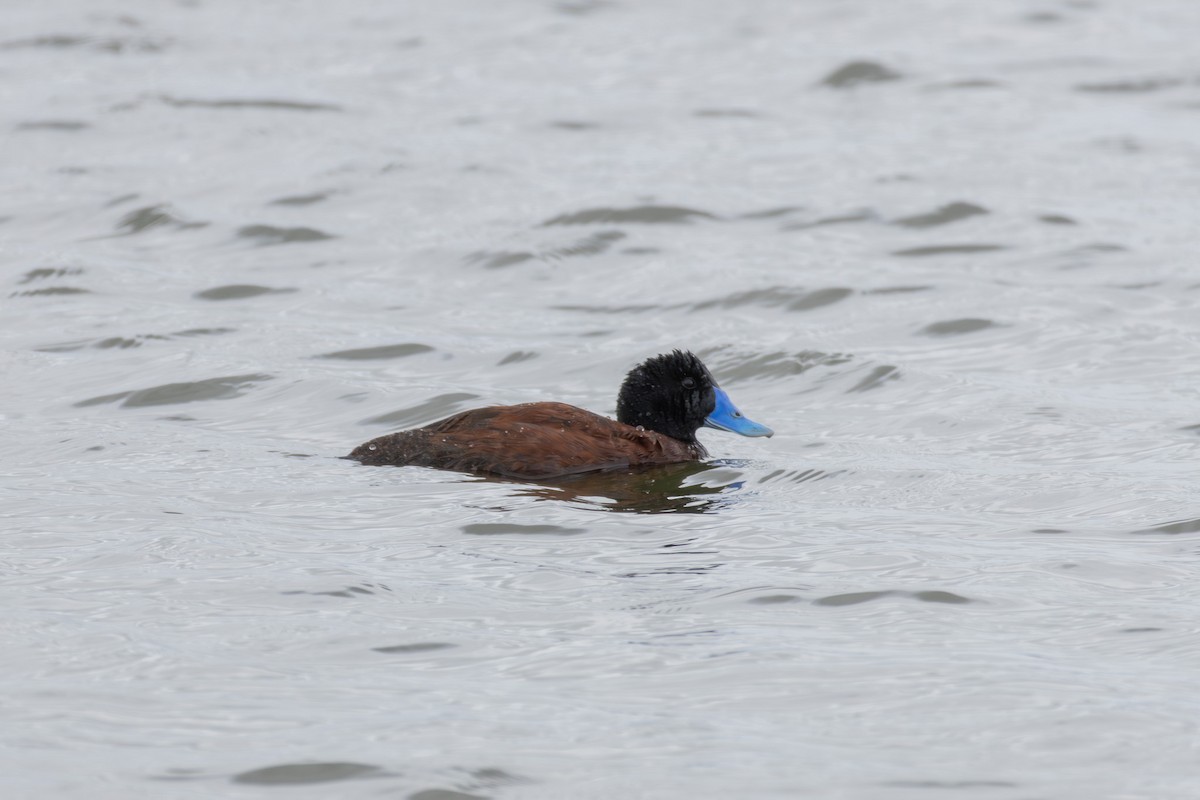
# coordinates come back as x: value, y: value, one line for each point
x: 946, y: 250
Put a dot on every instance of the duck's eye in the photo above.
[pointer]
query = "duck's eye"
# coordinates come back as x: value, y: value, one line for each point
x: 688, y: 383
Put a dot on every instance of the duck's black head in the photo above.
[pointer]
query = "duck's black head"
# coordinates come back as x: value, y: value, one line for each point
x: 675, y: 394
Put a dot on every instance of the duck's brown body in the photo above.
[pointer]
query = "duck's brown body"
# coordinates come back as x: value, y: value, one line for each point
x: 531, y: 440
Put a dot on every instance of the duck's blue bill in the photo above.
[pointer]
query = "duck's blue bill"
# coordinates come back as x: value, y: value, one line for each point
x: 726, y: 417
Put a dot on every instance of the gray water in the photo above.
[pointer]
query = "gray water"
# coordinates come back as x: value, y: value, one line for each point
x: 947, y: 250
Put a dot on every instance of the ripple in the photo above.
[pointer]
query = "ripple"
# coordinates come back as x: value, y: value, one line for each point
x: 947, y: 249
x: 725, y: 113
x: 934, y: 784
x: 876, y: 378
x: 593, y: 245
x: 951, y: 212
x: 856, y: 73
x: 857, y: 598
x: 735, y: 367
x: 492, y: 528
x: 969, y: 83
x: 957, y: 327
x: 1085, y: 256
x: 50, y: 291
x: 114, y: 44
x: 645, y: 215
x: 801, y: 475
x: 269, y: 104
x: 55, y: 41
x: 188, y: 392
x: 1044, y: 18
x: 579, y: 8
x: 1132, y: 86
x: 126, y: 342
x: 819, y: 298
x: 1056, y: 219
x: 434, y: 408
x: 416, y: 647
x: 939, y: 596
x: 851, y: 598
x: 516, y: 357
x: 122, y: 343
x: 45, y: 273
x: 898, y: 290
x: 1100, y: 247
x: 64, y: 125
x: 155, y: 216
x: 285, y: 774
x: 238, y: 291
x: 573, y: 125
x: 454, y: 794
x: 1181, y: 526
x: 774, y: 599
x: 864, y: 215
x: 301, y: 199
x: 379, y: 353
x: 121, y: 199
x: 790, y: 299
x: 771, y: 213
x: 271, y: 235
x: 633, y: 308
x: 349, y: 591
x: 501, y: 259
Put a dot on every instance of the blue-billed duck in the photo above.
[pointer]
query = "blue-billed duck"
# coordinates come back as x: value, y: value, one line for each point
x: 661, y: 405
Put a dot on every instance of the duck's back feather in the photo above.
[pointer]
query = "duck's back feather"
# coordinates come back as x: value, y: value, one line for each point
x: 531, y: 440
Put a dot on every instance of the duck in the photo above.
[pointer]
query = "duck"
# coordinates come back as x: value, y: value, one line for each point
x: 661, y: 404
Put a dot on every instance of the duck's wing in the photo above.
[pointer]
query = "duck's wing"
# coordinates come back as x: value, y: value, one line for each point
x: 532, y: 440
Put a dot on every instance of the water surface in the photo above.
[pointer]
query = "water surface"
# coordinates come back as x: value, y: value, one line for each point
x: 945, y: 250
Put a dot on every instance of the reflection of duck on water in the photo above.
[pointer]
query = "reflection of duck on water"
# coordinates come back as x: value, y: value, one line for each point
x: 661, y: 405
x: 665, y: 489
